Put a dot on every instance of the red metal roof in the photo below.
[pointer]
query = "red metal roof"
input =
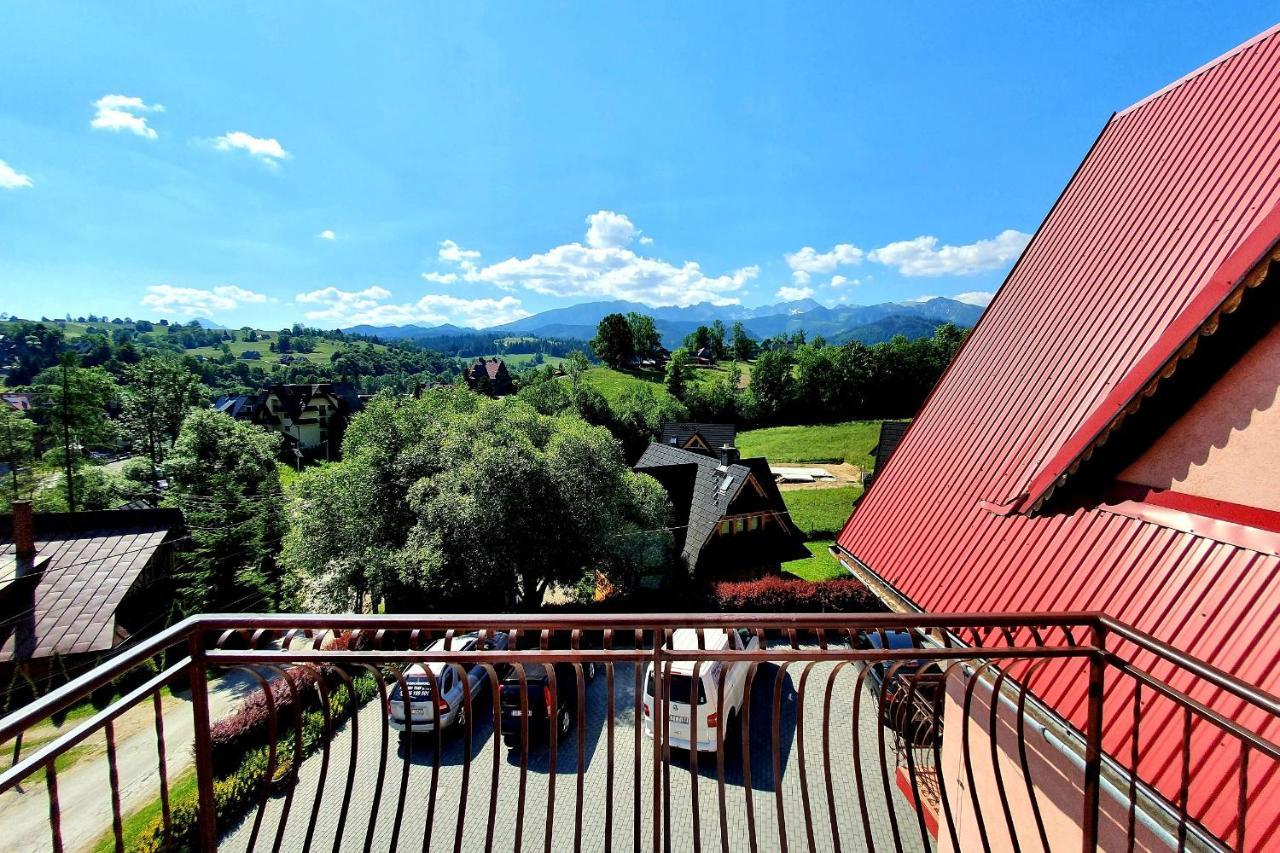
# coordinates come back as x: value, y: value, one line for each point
x: 1175, y: 202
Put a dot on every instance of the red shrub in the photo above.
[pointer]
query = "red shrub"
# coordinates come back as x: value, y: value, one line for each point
x: 776, y: 595
x: 236, y: 734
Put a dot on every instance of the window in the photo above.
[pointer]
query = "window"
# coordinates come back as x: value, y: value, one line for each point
x: 753, y: 523
x: 744, y: 637
x: 740, y: 525
x: 726, y: 527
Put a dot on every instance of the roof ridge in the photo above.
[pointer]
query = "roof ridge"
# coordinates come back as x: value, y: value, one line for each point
x: 1203, y: 69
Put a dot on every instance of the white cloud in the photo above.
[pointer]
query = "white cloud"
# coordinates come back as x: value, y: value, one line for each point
x: 606, y: 271
x: 351, y: 308
x: 124, y: 112
x: 609, y: 230
x: 645, y: 241
x: 441, y: 277
x: 808, y: 260
x: 269, y: 151
x: 974, y: 297
x: 327, y: 234
x: 11, y: 178
x: 924, y: 257
x: 792, y: 294
x: 193, y: 300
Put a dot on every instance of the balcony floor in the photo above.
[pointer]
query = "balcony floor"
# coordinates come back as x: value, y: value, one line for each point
x: 848, y: 815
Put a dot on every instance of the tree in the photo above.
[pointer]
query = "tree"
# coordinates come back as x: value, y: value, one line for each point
x: 645, y: 339
x: 17, y: 444
x: 222, y: 475
x: 613, y: 343
x: 160, y: 391
x: 456, y: 501
x: 74, y: 402
x: 744, y: 348
x: 718, y: 349
x: 698, y: 339
x: 678, y: 373
x: 575, y: 365
x: 28, y: 349
x: 772, y: 384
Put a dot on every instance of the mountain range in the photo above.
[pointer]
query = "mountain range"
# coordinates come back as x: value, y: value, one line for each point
x: 840, y: 324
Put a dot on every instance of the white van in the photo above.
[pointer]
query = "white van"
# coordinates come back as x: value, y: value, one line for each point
x: 686, y: 698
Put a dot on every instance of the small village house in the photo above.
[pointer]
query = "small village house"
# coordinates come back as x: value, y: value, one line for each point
x: 489, y: 376
x: 730, y: 521
x: 312, y: 418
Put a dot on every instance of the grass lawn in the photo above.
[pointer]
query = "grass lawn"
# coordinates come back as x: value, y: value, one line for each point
x: 324, y: 349
x: 820, y: 567
x: 181, y: 789
x: 614, y: 383
x: 820, y: 513
x: 849, y: 442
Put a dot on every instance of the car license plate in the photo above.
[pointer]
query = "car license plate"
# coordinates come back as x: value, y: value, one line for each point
x: 680, y: 719
x: 517, y: 713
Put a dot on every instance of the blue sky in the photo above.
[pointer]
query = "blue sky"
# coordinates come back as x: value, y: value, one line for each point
x: 339, y: 163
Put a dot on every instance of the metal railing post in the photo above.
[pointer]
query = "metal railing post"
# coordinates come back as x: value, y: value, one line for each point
x: 208, y: 816
x: 1093, y: 738
x: 659, y: 638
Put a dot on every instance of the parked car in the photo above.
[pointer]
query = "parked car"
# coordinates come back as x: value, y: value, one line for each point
x: 911, y: 694
x: 448, y: 708
x: 538, y: 709
x: 685, y: 697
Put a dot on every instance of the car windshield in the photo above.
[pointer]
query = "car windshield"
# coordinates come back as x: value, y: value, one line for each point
x: 680, y: 690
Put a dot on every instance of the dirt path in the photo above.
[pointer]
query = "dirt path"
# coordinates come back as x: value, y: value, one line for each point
x: 83, y: 788
x: 842, y: 474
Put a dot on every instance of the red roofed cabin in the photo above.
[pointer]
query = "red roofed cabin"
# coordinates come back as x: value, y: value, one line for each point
x: 1108, y: 439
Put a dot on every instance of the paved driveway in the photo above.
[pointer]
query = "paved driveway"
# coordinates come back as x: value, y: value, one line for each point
x: 476, y: 820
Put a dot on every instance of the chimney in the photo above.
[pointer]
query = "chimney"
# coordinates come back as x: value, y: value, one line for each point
x: 24, y: 531
x: 729, y: 454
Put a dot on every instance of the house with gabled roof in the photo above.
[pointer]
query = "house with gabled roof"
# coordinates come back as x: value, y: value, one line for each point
x: 76, y: 584
x: 1108, y: 437
x: 730, y: 521
x: 700, y: 438
x: 489, y: 376
x: 311, y: 417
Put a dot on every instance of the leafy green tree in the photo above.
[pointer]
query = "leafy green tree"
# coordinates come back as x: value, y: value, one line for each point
x: 17, y: 446
x: 645, y: 339
x: 718, y: 349
x: 222, y: 475
x: 744, y: 348
x: 456, y: 501
x: 27, y: 349
x: 575, y: 365
x: 772, y: 385
x: 74, y: 403
x: 612, y: 343
x: 677, y: 377
x: 699, y: 338
x: 159, y: 392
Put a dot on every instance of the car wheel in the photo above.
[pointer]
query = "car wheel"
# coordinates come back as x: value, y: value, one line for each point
x: 460, y: 720
x: 591, y: 671
x: 511, y: 741
x: 563, y: 721
x: 404, y: 738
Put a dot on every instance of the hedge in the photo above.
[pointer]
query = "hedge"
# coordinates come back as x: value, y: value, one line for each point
x: 237, y: 791
x: 776, y: 595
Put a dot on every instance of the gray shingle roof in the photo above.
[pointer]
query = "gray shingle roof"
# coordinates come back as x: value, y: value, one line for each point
x: 715, y: 435
x: 714, y: 488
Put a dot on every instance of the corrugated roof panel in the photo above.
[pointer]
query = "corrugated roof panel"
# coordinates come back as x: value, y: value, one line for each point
x: 1154, y: 230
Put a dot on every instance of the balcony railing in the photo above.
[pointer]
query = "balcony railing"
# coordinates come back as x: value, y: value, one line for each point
x: 815, y: 732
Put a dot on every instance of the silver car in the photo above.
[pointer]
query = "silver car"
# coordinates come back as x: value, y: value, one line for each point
x: 448, y: 709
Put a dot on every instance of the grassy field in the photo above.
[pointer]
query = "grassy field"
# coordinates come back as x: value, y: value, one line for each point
x: 324, y: 350
x: 849, y: 442
x: 819, y: 513
x: 614, y: 383
x: 820, y: 567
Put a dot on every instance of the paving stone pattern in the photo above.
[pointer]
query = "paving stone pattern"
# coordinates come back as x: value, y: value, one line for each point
x: 597, y: 832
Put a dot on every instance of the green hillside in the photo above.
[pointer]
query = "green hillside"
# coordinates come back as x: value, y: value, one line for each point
x: 849, y: 442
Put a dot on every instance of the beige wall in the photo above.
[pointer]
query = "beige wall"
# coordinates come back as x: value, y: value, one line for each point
x: 1056, y: 780
x: 1228, y: 446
